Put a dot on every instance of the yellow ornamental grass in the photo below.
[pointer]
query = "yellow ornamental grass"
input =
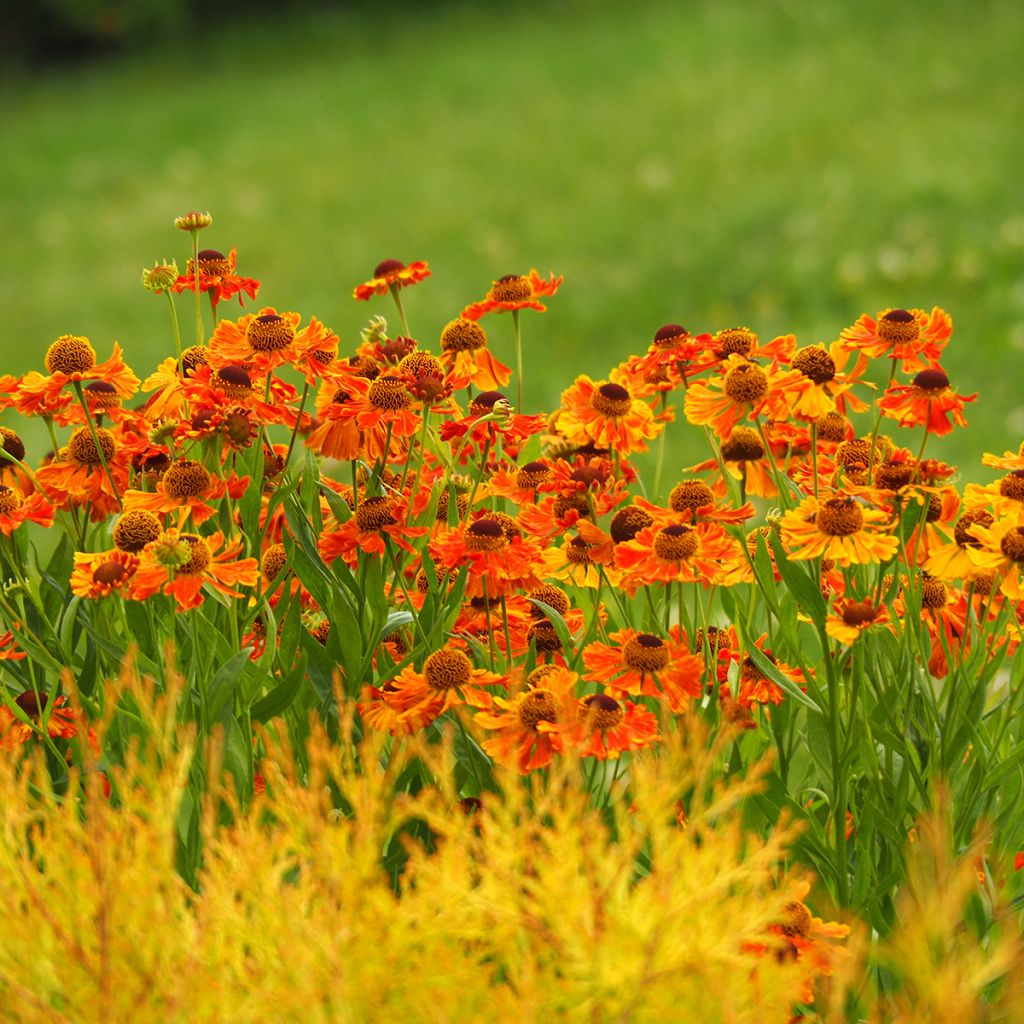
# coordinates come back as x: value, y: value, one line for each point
x: 533, y: 905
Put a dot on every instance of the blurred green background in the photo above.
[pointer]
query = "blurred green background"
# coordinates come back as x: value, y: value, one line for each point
x: 781, y: 165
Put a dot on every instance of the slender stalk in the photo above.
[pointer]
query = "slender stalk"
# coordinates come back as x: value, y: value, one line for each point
x: 174, y: 326
x: 195, y: 270
x: 519, y: 359
x: 77, y: 385
x: 396, y: 294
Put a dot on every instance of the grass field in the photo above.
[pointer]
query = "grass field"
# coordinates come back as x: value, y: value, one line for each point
x: 783, y: 165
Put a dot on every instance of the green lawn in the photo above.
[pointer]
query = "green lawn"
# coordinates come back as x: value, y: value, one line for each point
x: 784, y: 165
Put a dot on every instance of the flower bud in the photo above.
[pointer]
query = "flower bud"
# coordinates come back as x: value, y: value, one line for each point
x: 193, y: 221
x: 160, y: 276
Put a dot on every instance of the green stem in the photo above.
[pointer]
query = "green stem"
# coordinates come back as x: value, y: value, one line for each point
x: 77, y: 385
x: 175, y: 327
x: 195, y: 270
x: 396, y: 294
x: 519, y: 360
x: 298, y: 420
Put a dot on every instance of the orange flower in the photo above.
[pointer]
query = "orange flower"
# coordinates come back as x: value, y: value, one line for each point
x: 79, y: 477
x: 263, y: 341
x: 186, y: 487
x: 676, y: 552
x: 72, y: 360
x: 742, y: 388
x: 1001, y: 550
x: 383, y: 411
x: 675, y: 352
x: 850, y: 618
x: 528, y: 726
x: 98, y: 574
x: 466, y: 358
x: 914, y: 336
x: 391, y: 274
x: 373, y: 522
x: 216, y: 276
x: 606, y: 727
x: 830, y: 386
x: 928, y: 402
x: 513, y: 292
x: 447, y: 679
x: 15, y: 508
x: 496, y: 564
x: 179, y: 564
x: 335, y: 435
x: 745, y: 459
x: 953, y: 561
x: 606, y: 415
x: 641, y: 663
x: 839, y: 528
x: 9, y: 649
x: 58, y: 720
x: 756, y: 687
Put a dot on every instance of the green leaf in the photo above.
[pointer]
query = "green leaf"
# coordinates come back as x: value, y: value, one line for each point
x: 806, y: 591
x: 280, y: 698
x: 223, y: 685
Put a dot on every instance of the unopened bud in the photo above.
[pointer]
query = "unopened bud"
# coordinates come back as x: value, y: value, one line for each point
x: 160, y: 276
x: 193, y: 221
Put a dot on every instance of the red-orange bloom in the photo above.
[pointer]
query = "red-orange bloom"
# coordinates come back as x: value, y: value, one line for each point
x: 72, y: 360
x: 391, y: 274
x: 186, y: 487
x: 756, y: 687
x: 466, y: 358
x: 263, y: 341
x: 512, y: 292
x: 928, y: 402
x: 58, y: 720
x: 496, y: 564
x: 606, y: 727
x: 850, y: 618
x: 9, y: 649
x: 840, y: 528
x: 703, y: 554
x: 180, y: 564
x: 447, y: 679
x: 15, y: 508
x: 641, y: 663
x: 606, y: 415
x: 374, y: 520
x: 912, y: 335
x: 528, y: 726
x: 216, y: 276
x: 97, y: 574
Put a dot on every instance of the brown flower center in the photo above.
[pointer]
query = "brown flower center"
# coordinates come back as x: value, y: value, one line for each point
x: 213, y: 263
x: 743, y: 446
x: 234, y: 381
x: 601, y: 711
x: 274, y: 559
x: 669, y: 335
x: 9, y: 501
x: 796, y: 920
x: 511, y: 288
x: 645, y: 653
x: 892, y: 476
x: 690, y: 495
x: 543, y: 635
x: 532, y: 475
x: 70, y: 354
x: 269, y: 333
x: 859, y: 613
x: 484, y: 403
x: 577, y: 500
x: 933, y: 593
x: 186, y: 479
x: 485, y: 535
x: 577, y: 551
x: 840, y: 517
x: 389, y: 393
x: 443, y: 502
x: 386, y: 267
x: 551, y: 596
x: 611, y: 400
x: 746, y: 384
x: 375, y: 513
x: 110, y: 574
x: 815, y: 363
x: 199, y: 558
x: 832, y: 427
x: 462, y: 335
x: 973, y: 517
x: 735, y: 340
x: 898, y: 327
x: 135, y: 529
x: 1012, y: 485
x: 934, y: 513
x: 628, y: 522
x: 32, y: 703
x: 538, y: 706
x: 191, y: 358
x: 718, y: 640
x: 932, y: 379
x: 82, y: 448
x: 446, y: 669
x: 12, y: 444
x: 1012, y: 544
x: 101, y: 394
x: 674, y: 543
